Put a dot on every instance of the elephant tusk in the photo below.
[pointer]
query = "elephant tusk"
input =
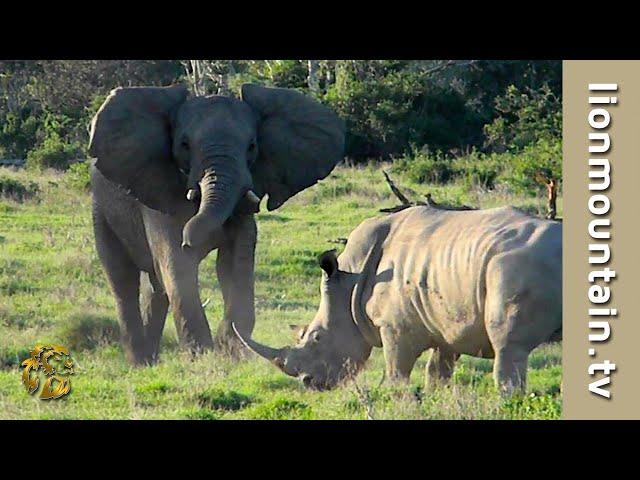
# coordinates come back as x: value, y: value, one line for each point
x: 249, y: 203
x: 252, y: 197
x: 192, y: 194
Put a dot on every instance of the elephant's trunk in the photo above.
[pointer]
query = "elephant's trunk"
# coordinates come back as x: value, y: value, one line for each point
x: 220, y: 193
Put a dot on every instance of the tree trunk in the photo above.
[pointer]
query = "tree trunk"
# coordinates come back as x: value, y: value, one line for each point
x: 312, y: 79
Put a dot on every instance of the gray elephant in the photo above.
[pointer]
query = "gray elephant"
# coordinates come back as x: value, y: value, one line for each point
x: 176, y: 177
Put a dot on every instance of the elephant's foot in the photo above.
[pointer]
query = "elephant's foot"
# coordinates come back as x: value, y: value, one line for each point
x: 198, y: 347
x: 194, y: 337
x: 136, y: 350
x: 231, y: 346
x: 139, y: 358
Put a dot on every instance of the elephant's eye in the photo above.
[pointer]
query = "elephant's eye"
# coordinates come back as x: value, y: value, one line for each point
x: 252, y: 147
x: 185, y: 145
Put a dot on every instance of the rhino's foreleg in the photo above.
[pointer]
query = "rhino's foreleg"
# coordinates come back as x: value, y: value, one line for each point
x: 400, y: 354
x: 440, y: 367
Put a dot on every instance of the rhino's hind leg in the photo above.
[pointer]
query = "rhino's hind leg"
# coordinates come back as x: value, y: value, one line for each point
x: 508, y: 325
x: 520, y: 313
x: 510, y: 344
x: 510, y: 370
x: 440, y: 367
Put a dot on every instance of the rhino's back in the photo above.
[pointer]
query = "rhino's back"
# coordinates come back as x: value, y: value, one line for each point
x: 432, y: 272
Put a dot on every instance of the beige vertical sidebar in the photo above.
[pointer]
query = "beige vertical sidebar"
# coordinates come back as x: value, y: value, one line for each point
x: 623, y: 346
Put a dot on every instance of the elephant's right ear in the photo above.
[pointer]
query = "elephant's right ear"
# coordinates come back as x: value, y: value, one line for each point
x: 131, y: 139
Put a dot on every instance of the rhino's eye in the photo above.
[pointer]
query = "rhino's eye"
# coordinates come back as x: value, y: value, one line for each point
x: 315, y: 336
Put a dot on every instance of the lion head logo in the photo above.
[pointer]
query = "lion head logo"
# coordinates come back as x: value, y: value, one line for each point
x: 55, y: 362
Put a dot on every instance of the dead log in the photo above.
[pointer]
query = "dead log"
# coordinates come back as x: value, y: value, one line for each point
x: 403, y: 199
x: 432, y: 203
x: 406, y: 203
x: 339, y: 240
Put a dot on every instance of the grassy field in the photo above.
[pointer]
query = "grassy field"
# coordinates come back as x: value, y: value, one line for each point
x: 53, y: 289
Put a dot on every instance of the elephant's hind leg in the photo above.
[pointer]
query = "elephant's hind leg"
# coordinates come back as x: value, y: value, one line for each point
x: 124, y: 278
x: 154, y: 306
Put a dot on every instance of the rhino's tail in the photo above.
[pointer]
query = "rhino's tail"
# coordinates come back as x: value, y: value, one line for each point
x: 556, y: 336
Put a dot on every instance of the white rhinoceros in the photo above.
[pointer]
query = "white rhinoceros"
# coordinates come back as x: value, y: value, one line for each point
x: 486, y: 283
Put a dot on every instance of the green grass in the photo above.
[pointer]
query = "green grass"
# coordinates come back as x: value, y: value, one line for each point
x: 53, y: 289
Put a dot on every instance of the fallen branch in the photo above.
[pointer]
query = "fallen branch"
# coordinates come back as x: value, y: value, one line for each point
x: 339, y: 240
x: 432, y: 203
x: 406, y: 203
x: 396, y: 209
x: 404, y: 200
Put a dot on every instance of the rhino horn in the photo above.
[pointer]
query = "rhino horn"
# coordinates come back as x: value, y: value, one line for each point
x: 274, y: 355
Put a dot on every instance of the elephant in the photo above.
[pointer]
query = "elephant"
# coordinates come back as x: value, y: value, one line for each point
x: 486, y: 283
x: 174, y: 177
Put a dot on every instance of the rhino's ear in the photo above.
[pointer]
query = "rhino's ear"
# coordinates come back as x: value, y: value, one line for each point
x: 298, y: 331
x: 329, y: 262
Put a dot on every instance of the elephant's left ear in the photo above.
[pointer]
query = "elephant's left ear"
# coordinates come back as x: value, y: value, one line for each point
x: 299, y: 142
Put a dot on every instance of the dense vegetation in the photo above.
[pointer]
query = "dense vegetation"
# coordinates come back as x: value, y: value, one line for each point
x: 53, y: 289
x: 484, y: 120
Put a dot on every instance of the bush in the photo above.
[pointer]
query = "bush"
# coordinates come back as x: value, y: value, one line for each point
x: 53, y: 153
x: 544, y: 156
x: 77, y: 176
x: 389, y: 105
x: 525, y: 117
x: 84, y: 331
x: 16, y: 190
x: 20, y: 132
x: 218, y: 399
x: 422, y: 167
x: 13, y: 356
x: 516, y: 170
x: 478, y: 170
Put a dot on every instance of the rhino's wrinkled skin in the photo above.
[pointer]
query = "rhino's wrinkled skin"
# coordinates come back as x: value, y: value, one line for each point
x: 486, y: 283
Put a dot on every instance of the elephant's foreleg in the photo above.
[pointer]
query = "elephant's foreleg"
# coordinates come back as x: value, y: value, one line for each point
x: 235, y: 268
x: 180, y: 279
x: 154, y: 304
x: 124, y: 278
